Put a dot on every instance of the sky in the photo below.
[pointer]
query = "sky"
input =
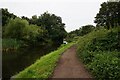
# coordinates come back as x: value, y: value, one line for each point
x: 74, y: 13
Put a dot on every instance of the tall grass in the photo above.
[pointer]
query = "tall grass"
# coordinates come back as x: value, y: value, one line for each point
x: 11, y: 43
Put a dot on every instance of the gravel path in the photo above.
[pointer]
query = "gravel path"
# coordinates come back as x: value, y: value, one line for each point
x: 69, y: 66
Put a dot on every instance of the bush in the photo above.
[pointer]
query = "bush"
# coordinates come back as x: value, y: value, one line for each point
x: 107, y: 43
x: 105, y: 66
x: 99, y: 50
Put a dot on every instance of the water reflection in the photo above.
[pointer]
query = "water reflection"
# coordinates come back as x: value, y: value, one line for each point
x: 15, y: 61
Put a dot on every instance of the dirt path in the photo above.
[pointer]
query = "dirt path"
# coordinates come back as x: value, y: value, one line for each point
x: 69, y: 66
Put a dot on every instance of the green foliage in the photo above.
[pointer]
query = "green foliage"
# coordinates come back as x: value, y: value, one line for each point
x: 51, y: 28
x: 89, y: 37
x: 6, y: 16
x: 99, y: 50
x: 21, y: 30
x: 11, y: 43
x: 73, y: 35
x: 53, y: 24
x: 106, y: 43
x: 15, y: 28
x: 108, y: 15
x: 33, y: 33
x: 43, y: 68
x: 86, y: 29
x: 105, y: 65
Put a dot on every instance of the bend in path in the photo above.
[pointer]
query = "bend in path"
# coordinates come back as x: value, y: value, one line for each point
x: 69, y: 66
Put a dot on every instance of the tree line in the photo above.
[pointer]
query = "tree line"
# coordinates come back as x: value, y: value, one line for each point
x: 83, y: 30
x: 46, y: 28
x: 49, y: 28
x: 107, y: 17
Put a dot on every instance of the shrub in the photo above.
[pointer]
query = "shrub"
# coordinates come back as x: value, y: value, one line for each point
x: 99, y: 50
x: 105, y: 66
x: 107, y: 43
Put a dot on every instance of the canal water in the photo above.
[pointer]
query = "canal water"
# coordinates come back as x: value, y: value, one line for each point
x: 16, y: 61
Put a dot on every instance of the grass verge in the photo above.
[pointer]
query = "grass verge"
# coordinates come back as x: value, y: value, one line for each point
x: 43, y: 68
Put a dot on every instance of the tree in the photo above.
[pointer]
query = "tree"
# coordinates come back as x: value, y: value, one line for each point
x: 53, y: 24
x: 25, y: 18
x: 109, y: 15
x: 33, y: 34
x: 15, y: 28
x: 33, y: 20
x: 6, y: 16
x: 86, y: 29
x: 74, y: 35
x: 20, y: 29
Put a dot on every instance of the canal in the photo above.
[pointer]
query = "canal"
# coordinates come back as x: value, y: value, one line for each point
x: 16, y: 61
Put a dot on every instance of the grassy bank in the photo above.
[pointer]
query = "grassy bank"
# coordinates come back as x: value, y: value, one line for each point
x: 100, y: 51
x: 43, y: 67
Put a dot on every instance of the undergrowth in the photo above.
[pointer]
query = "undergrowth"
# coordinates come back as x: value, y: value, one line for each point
x: 100, y: 51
